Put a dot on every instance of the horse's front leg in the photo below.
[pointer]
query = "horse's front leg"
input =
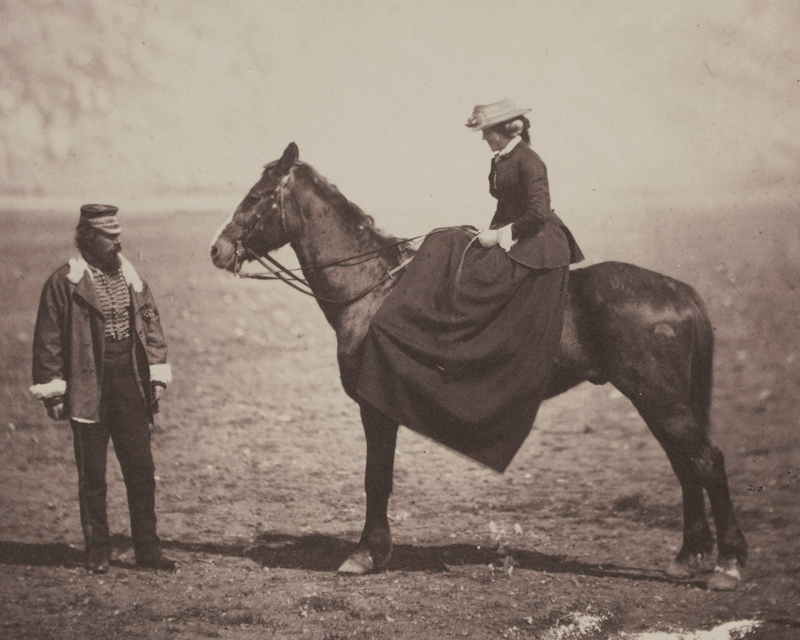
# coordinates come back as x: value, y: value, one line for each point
x: 375, y: 546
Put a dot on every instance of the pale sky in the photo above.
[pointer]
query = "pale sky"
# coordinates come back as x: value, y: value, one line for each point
x: 697, y: 99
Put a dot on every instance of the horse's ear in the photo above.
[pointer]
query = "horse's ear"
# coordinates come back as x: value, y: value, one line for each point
x: 290, y: 156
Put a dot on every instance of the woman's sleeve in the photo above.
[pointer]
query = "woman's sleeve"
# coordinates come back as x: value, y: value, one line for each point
x: 533, y: 188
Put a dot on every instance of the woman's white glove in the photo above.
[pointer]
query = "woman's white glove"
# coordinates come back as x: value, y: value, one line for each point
x: 494, y: 237
x: 489, y: 238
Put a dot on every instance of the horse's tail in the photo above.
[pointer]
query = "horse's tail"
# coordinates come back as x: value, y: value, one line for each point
x: 702, y: 374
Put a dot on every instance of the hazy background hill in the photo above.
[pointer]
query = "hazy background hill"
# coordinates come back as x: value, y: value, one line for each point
x: 632, y: 101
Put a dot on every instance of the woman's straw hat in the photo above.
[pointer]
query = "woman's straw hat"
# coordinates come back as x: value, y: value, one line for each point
x: 487, y: 115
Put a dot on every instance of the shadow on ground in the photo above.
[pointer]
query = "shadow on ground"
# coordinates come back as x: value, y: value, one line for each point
x: 317, y: 552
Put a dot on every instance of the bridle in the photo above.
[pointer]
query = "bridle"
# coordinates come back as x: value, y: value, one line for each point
x: 277, y: 271
x: 257, y: 221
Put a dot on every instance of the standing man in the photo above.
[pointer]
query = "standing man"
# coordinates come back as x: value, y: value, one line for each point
x: 100, y: 360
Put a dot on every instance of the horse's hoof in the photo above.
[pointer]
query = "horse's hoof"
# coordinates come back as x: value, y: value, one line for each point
x: 358, y: 564
x: 726, y: 576
x: 685, y: 569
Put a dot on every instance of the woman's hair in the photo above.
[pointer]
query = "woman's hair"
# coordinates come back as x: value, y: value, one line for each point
x: 516, y: 127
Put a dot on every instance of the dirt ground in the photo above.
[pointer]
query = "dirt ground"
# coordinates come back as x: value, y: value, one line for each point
x: 259, y: 461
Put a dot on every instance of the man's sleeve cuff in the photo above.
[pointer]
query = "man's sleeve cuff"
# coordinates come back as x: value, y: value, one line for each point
x: 161, y: 373
x: 51, y: 389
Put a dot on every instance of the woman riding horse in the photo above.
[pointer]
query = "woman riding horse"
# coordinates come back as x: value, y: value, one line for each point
x: 645, y: 333
x: 463, y: 349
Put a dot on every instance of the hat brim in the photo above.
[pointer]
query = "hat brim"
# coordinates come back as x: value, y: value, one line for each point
x: 490, y: 122
x: 106, y: 225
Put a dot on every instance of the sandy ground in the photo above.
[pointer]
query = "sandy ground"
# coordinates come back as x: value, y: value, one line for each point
x: 260, y: 455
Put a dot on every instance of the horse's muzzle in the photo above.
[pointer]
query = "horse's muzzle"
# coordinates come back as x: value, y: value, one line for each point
x: 223, y: 254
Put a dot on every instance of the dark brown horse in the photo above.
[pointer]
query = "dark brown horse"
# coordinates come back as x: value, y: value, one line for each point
x: 645, y: 333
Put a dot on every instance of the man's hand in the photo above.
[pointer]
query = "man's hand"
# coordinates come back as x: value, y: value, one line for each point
x: 56, y: 412
x: 157, y: 390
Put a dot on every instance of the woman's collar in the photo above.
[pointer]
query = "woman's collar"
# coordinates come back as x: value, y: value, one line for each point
x: 510, y: 146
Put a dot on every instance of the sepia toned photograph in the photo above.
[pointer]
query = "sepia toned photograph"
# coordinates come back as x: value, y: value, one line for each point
x: 349, y: 319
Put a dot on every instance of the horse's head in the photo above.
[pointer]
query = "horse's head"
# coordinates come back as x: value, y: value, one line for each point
x: 259, y: 222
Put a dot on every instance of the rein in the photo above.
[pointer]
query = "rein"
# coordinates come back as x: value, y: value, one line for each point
x: 286, y: 275
x: 277, y: 271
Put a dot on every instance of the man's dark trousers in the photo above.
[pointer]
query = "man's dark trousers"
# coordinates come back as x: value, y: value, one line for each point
x: 123, y: 418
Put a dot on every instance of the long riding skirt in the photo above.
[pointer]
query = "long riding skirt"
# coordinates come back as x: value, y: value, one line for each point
x: 123, y: 418
x: 462, y: 353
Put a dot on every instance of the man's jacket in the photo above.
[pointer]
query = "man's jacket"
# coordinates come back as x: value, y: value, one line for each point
x: 69, y: 341
x: 518, y: 180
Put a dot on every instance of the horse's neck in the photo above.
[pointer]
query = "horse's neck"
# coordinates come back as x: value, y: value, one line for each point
x: 326, y: 236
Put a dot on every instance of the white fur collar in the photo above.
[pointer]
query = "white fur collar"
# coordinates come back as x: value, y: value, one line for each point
x: 78, y: 265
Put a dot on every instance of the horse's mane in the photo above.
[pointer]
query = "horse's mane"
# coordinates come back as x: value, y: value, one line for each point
x: 358, y: 222
x: 330, y: 192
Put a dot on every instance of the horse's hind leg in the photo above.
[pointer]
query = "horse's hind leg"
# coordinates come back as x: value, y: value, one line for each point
x: 698, y: 542
x: 375, y: 546
x: 731, y: 544
x: 699, y: 465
